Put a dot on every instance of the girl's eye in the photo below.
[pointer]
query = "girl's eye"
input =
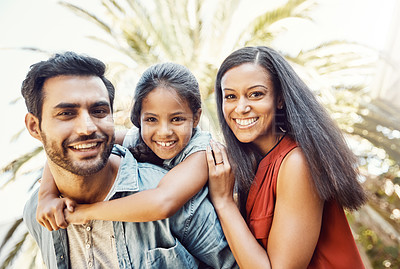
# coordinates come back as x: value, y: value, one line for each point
x: 150, y: 119
x: 178, y: 119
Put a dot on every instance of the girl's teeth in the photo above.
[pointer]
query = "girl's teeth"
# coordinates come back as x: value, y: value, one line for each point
x: 165, y: 144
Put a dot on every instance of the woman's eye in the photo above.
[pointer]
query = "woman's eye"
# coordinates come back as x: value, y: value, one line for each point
x: 230, y: 96
x: 256, y: 94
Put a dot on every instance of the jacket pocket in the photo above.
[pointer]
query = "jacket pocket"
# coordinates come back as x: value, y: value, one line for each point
x: 173, y: 257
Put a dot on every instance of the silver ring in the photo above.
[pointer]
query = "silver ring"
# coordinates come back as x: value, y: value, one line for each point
x: 221, y: 162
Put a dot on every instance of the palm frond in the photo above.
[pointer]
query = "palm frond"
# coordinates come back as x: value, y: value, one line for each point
x: 14, y: 166
x: 13, y: 254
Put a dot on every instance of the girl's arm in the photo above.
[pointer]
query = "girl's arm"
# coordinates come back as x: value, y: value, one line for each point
x: 297, y: 218
x: 50, y: 209
x: 174, y: 190
x: 245, y: 248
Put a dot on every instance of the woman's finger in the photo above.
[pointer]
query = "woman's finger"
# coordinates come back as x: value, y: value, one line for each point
x: 210, y: 157
x: 217, y: 153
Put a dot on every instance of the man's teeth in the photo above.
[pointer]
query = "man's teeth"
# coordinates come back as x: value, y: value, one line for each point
x: 85, y: 146
x: 245, y: 122
x: 165, y: 144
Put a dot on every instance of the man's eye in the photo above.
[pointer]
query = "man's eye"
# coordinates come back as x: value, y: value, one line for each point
x: 65, y: 113
x: 100, y: 112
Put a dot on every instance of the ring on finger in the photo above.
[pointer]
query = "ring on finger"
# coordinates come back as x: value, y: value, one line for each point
x: 221, y: 162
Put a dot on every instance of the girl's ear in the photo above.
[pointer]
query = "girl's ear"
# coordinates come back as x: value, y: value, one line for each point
x: 196, y: 118
x: 32, y: 124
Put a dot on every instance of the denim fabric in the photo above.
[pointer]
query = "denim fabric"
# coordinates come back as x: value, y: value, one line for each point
x: 192, y: 238
x: 198, y: 142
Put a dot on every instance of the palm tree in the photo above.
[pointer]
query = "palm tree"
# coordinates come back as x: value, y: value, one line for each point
x: 199, y: 34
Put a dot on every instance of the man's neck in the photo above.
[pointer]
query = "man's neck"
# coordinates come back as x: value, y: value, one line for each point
x: 86, y: 189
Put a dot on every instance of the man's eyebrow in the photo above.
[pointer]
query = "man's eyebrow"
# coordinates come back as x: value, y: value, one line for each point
x: 101, y: 103
x: 67, y: 105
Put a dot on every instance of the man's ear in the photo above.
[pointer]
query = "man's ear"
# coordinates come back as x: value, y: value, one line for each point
x: 32, y: 124
x: 196, y: 118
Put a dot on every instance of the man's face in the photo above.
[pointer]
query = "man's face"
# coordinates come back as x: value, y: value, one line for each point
x: 77, y: 128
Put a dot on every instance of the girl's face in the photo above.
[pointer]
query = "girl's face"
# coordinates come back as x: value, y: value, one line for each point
x: 249, y: 104
x: 167, y: 122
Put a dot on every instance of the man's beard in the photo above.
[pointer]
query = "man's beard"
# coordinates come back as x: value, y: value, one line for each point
x: 87, y: 167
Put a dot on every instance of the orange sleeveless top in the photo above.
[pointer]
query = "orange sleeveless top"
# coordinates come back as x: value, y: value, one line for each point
x: 335, y: 248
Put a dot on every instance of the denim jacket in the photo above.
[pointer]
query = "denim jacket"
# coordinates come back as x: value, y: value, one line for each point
x: 192, y: 238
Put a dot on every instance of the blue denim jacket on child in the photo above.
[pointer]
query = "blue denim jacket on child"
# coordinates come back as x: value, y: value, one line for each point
x: 192, y: 238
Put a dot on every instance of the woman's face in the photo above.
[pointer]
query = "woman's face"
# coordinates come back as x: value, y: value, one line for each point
x: 249, y: 105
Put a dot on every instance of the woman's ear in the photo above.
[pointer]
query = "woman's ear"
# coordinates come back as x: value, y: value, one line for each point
x: 32, y: 124
x: 196, y: 118
x: 279, y: 103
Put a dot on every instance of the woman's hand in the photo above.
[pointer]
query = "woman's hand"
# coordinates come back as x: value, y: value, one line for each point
x: 221, y: 178
x: 50, y: 212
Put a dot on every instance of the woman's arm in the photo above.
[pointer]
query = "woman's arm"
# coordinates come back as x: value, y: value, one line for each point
x: 297, y: 218
x: 247, y: 251
x: 298, y: 214
x: 174, y: 190
x: 50, y: 209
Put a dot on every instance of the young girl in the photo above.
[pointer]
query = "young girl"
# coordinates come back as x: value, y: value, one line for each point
x: 166, y: 113
x: 298, y: 176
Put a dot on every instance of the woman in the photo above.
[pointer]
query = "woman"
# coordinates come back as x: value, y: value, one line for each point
x: 292, y: 206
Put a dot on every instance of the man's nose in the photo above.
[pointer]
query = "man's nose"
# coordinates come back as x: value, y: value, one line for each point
x: 85, y: 125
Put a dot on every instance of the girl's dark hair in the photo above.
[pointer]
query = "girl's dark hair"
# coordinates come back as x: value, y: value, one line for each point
x: 169, y: 76
x: 332, y: 164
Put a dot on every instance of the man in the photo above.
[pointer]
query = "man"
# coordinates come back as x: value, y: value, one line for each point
x: 70, y: 111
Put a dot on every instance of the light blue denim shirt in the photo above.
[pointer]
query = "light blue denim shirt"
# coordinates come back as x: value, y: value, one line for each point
x: 192, y: 238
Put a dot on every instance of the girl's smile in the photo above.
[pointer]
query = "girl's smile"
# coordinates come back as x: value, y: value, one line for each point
x: 166, y: 122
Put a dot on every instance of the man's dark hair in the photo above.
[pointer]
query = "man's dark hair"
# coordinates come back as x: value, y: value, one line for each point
x: 61, y: 64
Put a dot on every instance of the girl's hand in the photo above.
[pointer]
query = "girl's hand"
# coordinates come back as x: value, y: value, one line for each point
x: 77, y: 216
x: 221, y: 178
x: 50, y: 212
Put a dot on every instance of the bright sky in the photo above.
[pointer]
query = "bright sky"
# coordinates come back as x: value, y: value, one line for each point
x: 45, y: 24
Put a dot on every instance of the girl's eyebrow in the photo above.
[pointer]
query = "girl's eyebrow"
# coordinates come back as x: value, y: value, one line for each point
x: 149, y: 114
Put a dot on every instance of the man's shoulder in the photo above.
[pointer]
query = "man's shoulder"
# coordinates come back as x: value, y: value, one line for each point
x: 29, y: 214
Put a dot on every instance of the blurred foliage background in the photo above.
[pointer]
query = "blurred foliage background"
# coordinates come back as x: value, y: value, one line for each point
x: 200, y: 34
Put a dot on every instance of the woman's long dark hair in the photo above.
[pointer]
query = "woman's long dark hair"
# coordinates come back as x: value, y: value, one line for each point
x: 332, y: 164
x: 170, y: 76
